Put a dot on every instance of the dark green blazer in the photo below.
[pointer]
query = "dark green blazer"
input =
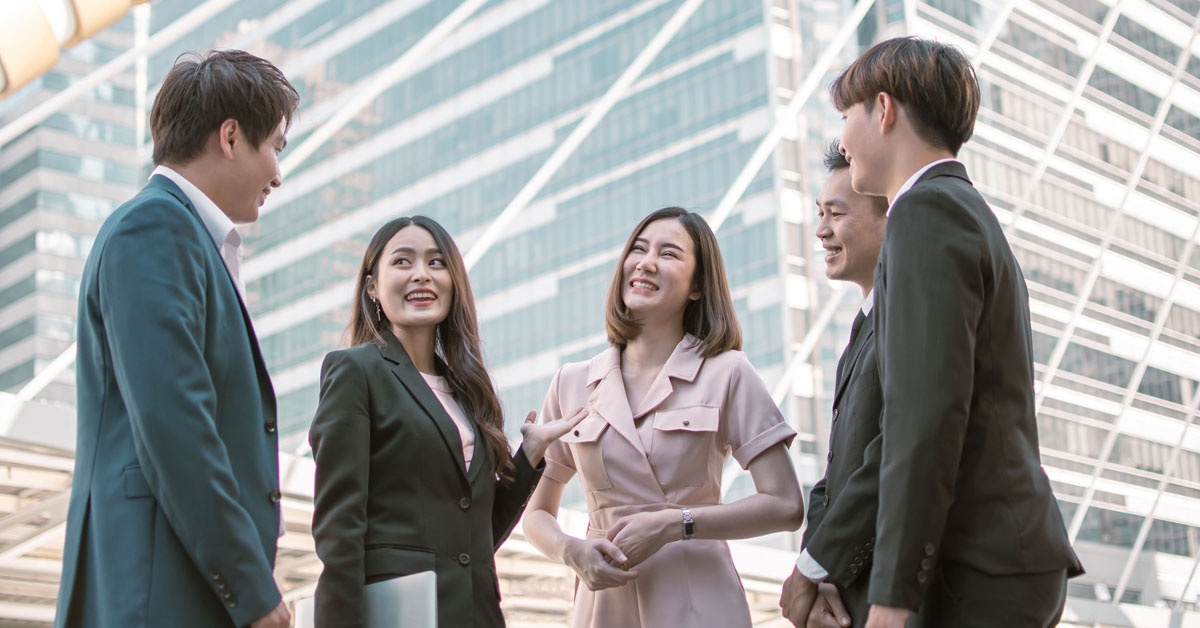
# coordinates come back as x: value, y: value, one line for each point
x: 174, y: 511
x: 393, y: 497
x: 843, y: 504
x: 961, y: 478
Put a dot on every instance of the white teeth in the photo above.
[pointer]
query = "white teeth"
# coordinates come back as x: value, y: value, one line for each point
x: 420, y: 295
x: 644, y: 285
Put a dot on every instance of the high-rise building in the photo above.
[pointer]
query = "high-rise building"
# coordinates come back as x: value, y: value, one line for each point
x: 1087, y: 146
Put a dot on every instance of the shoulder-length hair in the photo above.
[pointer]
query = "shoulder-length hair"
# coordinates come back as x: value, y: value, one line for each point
x: 711, y: 318
x: 457, y: 338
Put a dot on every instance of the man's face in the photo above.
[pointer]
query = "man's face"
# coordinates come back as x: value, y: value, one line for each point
x: 850, y: 229
x: 862, y: 145
x: 256, y: 173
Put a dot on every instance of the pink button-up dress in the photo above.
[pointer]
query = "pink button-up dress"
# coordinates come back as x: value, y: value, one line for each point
x: 669, y: 452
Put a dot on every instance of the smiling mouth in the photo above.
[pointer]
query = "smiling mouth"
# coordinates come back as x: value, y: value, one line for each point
x: 421, y: 296
x: 832, y: 252
x: 643, y: 285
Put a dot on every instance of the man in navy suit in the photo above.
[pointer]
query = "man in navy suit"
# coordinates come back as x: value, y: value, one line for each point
x: 174, y: 512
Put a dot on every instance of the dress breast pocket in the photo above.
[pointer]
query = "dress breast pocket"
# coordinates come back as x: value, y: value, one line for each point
x: 684, y: 440
x: 585, y: 445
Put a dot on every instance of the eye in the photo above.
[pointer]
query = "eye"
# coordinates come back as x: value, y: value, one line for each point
x: 638, y: 248
x: 437, y: 262
x: 401, y: 261
x: 670, y: 253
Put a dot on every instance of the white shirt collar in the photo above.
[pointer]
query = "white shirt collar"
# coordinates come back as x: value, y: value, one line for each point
x: 219, y: 225
x: 913, y: 180
x: 868, y: 302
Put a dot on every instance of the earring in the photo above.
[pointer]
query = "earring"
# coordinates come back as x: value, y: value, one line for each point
x: 378, y: 310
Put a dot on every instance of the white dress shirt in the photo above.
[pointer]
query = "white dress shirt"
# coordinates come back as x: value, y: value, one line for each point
x: 913, y: 180
x: 222, y: 229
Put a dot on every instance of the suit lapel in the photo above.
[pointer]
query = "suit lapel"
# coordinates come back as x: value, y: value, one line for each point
x: 410, y: 377
x: 851, y: 358
x: 266, y: 389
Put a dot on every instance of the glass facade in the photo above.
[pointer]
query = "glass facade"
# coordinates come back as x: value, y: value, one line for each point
x: 1087, y: 146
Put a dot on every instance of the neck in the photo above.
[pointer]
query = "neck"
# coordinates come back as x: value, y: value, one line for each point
x: 914, y: 156
x: 419, y: 344
x: 204, y: 178
x: 653, y: 346
x: 866, y: 286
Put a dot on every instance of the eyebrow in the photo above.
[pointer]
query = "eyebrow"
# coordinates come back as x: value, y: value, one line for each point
x: 410, y: 250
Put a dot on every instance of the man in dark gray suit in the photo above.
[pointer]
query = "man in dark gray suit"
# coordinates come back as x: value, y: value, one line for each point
x: 841, y: 511
x: 968, y: 532
x: 174, y: 512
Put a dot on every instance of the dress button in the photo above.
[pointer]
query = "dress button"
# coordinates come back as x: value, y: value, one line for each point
x: 577, y: 432
x: 275, y: 496
x: 464, y: 503
x: 687, y: 423
x: 464, y: 559
x: 270, y: 427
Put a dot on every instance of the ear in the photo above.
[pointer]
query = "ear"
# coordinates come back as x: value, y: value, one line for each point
x: 886, y: 111
x: 372, y: 291
x: 227, y: 136
x: 694, y: 295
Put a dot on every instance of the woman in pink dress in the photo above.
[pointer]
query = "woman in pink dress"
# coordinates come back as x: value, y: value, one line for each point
x: 667, y: 402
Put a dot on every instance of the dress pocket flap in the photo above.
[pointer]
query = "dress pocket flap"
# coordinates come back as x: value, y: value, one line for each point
x: 397, y: 561
x: 689, y: 419
x: 135, y: 482
x: 587, y: 431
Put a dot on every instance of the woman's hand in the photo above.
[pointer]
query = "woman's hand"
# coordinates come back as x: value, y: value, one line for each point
x: 536, y: 438
x: 642, y: 534
x: 596, y: 560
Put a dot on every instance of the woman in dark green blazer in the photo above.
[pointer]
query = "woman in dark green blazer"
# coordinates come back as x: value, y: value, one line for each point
x: 413, y: 467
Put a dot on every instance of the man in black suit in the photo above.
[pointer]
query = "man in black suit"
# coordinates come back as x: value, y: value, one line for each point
x: 968, y: 532
x: 841, y: 512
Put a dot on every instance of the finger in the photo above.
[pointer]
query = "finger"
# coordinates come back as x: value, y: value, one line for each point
x: 837, y: 609
x: 610, y: 550
x: 616, y: 529
x: 579, y: 415
x: 531, y: 417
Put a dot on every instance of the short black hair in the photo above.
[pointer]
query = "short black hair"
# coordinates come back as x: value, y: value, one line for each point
x: 201, y: 92
x: 834, y: 159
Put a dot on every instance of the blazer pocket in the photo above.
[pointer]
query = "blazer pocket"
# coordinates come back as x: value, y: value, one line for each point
x: 586, y: 448
x: 135, y: 482
x: 397, y: 560
x: 683, y: 441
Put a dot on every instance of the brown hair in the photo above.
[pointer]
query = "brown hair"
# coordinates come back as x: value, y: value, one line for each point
x: 935, y: 83
x: 834, y: 160
x: 711, y: 318
x: 457, y: 337
x: 201, y: 92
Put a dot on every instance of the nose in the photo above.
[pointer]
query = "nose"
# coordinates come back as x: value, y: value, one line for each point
x: 277, y: 180
x: 842, y: 149
x: 823, y: 229
x: 646, y: 264
x: 421, y: 273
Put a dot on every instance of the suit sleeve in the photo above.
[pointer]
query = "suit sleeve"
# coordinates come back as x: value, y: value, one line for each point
x: 843, y: 538
x: 932, y: 298
x: 153, y: 297
x: 511, y: 500
x: 340, y: 436
x: 816, y: 512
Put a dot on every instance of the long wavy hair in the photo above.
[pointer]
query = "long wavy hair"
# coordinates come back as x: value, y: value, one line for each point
x: 457, y: 337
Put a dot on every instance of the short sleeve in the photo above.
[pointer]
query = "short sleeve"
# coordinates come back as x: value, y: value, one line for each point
x: 752, y: 423
x: 560, y: 464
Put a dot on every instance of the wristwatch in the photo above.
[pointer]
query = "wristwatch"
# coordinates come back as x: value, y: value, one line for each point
x: 689, y: 524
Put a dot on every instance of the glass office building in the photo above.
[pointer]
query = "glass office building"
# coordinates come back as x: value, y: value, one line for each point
x: 1087, y: 146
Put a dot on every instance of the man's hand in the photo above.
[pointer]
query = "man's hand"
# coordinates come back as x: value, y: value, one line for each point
x: 278, y: 618
x: 828, y: 612
x: 887, y: 616
x: 799, y: 595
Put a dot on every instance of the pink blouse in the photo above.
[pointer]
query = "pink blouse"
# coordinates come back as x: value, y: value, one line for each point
x: 466, y: 431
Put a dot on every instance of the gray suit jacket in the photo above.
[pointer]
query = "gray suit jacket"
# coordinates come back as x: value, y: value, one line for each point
x: 842, y: 506
x: 174, y: 508
x: 961, y: 477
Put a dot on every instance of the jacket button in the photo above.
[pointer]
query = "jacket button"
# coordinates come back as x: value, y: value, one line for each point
x: 464, y: 559
x: 275, y: 496
x: 929, y: 549
x: 854, y: 569
x: 835, y: 411
x: 215, y: 575
x: 925, y: 563
x: 270, y: 427
x: 464, y: 503
x: 829, y: 456
x: 922, y: 577
x: 825, y: 501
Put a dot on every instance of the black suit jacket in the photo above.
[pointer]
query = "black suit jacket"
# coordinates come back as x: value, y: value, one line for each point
x: 393, y: 497
x: 842, y: 506
x: 961, y: 477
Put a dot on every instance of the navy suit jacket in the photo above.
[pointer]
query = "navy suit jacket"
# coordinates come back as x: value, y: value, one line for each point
x: 174, y: 510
